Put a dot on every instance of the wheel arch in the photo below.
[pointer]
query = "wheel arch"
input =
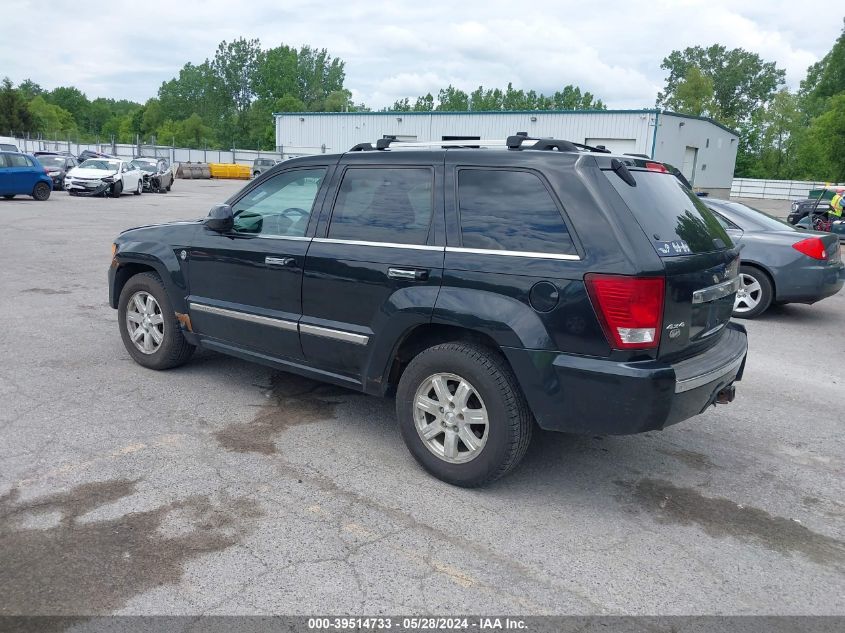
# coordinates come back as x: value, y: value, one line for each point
x: 127, y: 265
x: 418, y: 338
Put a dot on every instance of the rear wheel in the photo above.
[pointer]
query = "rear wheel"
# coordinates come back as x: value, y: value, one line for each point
x: 755, y: 293
x: 41, y: 191
x: 140, y: 188
x: 462, y: 414
x: 148, y: 325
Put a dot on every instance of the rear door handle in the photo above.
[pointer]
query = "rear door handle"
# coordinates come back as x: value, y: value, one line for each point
x: 279, y: 261
x: 412, y: 274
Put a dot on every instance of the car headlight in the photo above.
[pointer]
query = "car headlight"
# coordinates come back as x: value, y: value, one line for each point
x: 795, y: 206
x: 108, y: 179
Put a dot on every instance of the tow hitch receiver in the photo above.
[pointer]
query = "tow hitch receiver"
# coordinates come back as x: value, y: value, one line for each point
x: 726, y: 395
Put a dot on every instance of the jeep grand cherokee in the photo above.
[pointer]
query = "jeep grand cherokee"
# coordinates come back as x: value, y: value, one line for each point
x: 488, y: 289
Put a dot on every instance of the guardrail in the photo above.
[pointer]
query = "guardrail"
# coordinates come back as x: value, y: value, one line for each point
x: 775, y: 189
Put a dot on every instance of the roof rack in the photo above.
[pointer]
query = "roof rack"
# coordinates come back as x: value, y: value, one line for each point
x: 518, y: 141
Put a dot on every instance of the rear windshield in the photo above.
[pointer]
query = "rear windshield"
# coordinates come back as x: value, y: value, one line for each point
x: 675, y: 220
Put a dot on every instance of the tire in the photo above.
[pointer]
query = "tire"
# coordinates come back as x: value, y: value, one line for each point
x: 256, y: 174
x: 9, y: 196
x: 41, y: 191
x: 170, y: 186
x: 140, y: 188
x: 509, y: 422
x: 172, y: 350
x: 117, y: 189
x: 758, y: 293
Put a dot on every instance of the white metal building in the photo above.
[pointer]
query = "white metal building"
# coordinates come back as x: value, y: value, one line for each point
x: 704, y: 150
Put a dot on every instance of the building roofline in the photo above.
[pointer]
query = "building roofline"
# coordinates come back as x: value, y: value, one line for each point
x: 445, y: 112
x: 504, y: 112
x: 700, y: 118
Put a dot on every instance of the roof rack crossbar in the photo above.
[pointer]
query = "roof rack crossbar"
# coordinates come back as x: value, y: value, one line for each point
x: 362, y: 147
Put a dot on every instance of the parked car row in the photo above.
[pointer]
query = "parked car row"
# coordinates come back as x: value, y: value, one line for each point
x: 39, y: 174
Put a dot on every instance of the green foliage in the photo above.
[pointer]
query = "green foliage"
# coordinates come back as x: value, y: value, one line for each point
x: 694, y: 95
x: 14, y: 115
x: 742, y: 81
x: 825, y: 79
x: 451, y: 99
x: 51, y: 120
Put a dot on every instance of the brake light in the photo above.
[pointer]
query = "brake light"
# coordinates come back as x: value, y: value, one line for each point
x: 630, y: 309
x: 811, y: 247
x: 658, y: 167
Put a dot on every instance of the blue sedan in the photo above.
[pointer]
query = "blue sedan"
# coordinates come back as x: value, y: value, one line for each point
x: 23, y: 175
x: 779, y: 264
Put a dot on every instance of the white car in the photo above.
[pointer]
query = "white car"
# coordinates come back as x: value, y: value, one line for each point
x: 104, y: 175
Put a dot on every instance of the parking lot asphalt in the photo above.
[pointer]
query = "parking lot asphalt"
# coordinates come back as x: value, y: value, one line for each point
x: 223, y: 487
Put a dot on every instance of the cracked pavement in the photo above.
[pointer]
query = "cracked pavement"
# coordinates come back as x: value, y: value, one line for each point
x: 228, y: 488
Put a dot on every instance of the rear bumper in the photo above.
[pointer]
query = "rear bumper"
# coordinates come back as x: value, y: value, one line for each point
x: 575, y: 394
x: 810, y: 283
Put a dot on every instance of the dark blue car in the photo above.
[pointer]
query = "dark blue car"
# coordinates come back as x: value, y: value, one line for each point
x: 22, y: 174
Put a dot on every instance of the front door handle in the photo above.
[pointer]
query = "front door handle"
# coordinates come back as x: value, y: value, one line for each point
x: 412, y: 274
x: 280, y: 261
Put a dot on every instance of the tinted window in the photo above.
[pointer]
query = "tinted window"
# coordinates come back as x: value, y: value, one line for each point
x: 281, y: 205
x: 18, y: 160
x: 510, y: 210
x: 384, y: 205
x: 673, y: 218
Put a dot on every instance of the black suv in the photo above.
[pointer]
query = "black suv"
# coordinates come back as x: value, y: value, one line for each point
x: 486, y: 288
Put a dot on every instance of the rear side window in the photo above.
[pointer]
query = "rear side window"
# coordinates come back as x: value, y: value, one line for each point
x: 510, y: 211
x: 384, y: 205
x: 673, y: 218
x: 17, y: 160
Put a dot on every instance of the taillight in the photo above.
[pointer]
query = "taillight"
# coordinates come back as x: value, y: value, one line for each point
x: 659, y: 167
x: 811, y: 247
x: 630, y: 309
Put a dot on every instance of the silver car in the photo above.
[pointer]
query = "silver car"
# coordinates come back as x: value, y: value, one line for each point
x: 780, y: 264
x: 260, y: 165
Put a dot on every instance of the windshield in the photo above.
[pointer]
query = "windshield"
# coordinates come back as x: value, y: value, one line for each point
x: 101, y: 163
x: 52, y: 161
x: 675, y: 220
x: 150, y: 168
x: 760, y: 219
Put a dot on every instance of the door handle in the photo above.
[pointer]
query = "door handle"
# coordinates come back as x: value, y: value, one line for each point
x: 279, y: 261
x: 412, y: 274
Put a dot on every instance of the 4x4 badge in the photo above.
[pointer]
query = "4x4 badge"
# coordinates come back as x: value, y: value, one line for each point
x: 675, y: 329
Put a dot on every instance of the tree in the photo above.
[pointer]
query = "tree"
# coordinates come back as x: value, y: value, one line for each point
x: 29, y: 89
x: 742, y: 82
x: 823, y: 156
x: 152, y: 116
x: 694, y: 95
x: 50, y: 120
x: 825, y: 79
x: 14, y: 115
x: 452, y: 99
x: 74, y: 101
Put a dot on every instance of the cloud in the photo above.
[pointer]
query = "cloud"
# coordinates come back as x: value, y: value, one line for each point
x: 404, y: 49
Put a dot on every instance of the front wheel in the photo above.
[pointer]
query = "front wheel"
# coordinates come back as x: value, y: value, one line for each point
x: 117, y: 189
x: 755, y: 293
x: 148, y: 325
x: 462, y: 414
x: 41, y: 191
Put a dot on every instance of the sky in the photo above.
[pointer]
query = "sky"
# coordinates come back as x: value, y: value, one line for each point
x: 405, y: 48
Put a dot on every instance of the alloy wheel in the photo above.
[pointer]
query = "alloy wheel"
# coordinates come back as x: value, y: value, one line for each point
x: 748, y: 295
x: 450, y: 418
x: 145, y: 322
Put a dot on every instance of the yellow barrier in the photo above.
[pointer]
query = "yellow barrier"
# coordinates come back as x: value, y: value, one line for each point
x: 229, y: 170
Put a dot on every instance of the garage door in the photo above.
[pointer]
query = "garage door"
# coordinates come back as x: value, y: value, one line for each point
x: 615, y: 145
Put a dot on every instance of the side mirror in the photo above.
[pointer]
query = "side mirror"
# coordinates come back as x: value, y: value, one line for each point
x: 220, y: 218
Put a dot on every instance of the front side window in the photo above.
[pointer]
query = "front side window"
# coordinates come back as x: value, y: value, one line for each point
x: 510, y: 211
x: 384, y: 205
x: 281, y: 205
